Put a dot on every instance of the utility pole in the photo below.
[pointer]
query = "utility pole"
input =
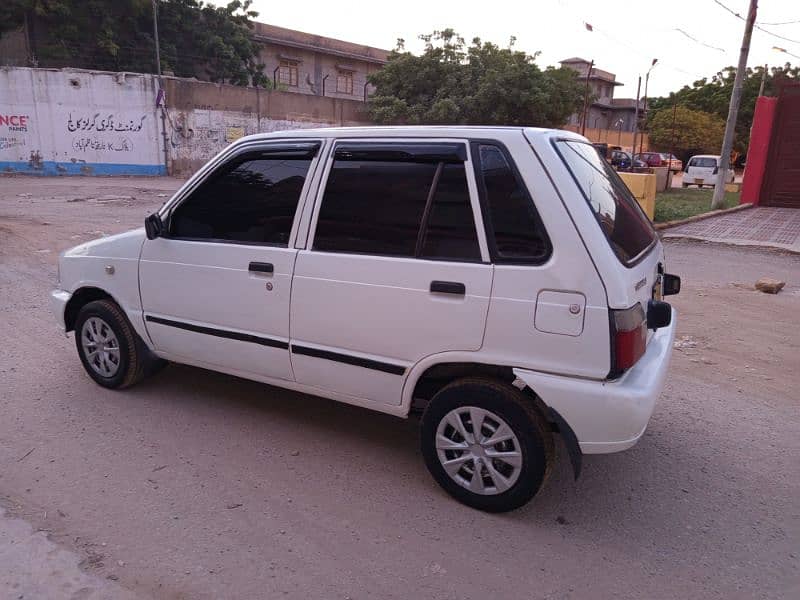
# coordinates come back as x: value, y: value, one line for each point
x: 644, y: 108
x: 636, y: 122
x: 763, y: 81
x: 733, y: 109
x: 672, y: 135
x: 155, y: 37
x: 585, y: 115
x: 162, y: 94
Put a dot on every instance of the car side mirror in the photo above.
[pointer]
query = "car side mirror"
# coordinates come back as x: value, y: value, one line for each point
x: 659, y: 314
x: 670, y: 284
x: 153, y: 226
x: 716, y: 170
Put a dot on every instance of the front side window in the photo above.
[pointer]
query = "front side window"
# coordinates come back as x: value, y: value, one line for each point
x: 622, y: 220
x: 390, y: 203
x: 251, y: 199
x: 515, y: 231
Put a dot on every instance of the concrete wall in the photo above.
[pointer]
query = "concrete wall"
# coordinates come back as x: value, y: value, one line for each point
x: 203, y: 118
x: 613, y: 137
x: 78, y: 122
x: 643, y: 188
x: 71, y: 122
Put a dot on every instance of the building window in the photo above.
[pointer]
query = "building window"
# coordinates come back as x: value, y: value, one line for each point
x: 344, y: 82
x: 288, y: 73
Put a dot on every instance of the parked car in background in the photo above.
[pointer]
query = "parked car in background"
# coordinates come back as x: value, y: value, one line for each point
x: 702, y: 170
x: 673, y: 162
x: 602, y: 149
x: 651, y: 159
x: 501, y: 282
x: 621, y: 160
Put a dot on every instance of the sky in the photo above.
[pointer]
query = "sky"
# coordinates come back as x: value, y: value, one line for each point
x: 627, y: 35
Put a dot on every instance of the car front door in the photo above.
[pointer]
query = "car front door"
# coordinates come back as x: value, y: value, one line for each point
x: 394, y: 270
x: 215, y: 287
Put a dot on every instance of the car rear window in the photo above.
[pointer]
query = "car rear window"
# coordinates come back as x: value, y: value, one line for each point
x: 619, y: 215
x: 704, y: 162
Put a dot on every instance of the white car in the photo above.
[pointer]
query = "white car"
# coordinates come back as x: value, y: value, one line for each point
x: 502, y: 282
x: 702, y: 170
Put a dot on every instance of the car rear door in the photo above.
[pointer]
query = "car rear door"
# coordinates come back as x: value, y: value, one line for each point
x: 394, y: 269
x: 216, y: 286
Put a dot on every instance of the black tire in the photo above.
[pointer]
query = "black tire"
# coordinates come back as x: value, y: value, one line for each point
x: 135, y: 360
x: 518, y: 411
x: 685, y: 185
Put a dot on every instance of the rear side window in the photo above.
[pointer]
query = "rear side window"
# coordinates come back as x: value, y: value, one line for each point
x: 450, y: 232
x: 515, y: 231
x: 619, y: 215
x: 251, y: 199
x: 386, y: 201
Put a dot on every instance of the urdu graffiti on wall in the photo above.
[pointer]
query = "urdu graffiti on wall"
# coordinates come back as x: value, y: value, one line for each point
x: 83, y: 144
x: 106, y: 123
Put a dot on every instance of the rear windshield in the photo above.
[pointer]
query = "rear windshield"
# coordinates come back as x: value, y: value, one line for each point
x: 627, y: 228
x: 707, y: 162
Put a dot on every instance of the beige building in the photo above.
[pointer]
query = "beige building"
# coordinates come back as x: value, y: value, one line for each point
x: 605, y: 112
x: 313, y: 64
x: 294, y: 61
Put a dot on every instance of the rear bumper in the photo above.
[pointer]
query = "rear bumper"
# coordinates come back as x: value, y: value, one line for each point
x: 58, y: 302
x: 609, y: 416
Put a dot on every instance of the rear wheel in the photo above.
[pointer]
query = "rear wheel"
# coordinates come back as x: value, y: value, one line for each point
x: 485, y: 444
x: 109, y: 348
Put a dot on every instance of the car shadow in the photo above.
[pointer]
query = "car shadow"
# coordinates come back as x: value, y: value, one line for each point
x: 654, y: 491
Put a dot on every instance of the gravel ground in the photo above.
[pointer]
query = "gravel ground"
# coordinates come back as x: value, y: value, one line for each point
x: 200, y: 485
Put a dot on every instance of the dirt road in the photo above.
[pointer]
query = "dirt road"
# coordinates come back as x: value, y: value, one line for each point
x: 199, y: 485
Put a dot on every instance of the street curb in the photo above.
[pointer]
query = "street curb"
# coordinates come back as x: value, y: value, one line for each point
x: 713, y: 213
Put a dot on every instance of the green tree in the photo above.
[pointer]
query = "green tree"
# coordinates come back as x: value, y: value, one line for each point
x: 694, y: 131
x: 452, y: 83
x: 713, y: 96
x: 197, y: 39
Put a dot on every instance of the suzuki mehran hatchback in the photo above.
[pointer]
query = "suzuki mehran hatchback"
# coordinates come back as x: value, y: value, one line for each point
x: 500, y: 281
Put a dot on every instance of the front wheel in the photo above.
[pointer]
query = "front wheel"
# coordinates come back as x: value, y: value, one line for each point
x: 109, y: 348
x: 485, y: 444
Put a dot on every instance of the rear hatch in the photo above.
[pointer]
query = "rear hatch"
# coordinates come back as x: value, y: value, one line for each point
x: 703, y: 169
x: 634, y: 278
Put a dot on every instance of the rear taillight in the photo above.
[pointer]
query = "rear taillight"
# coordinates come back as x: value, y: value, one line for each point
x: 628, y: 338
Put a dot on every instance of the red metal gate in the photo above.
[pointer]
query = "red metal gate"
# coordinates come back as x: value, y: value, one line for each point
x: 782, y: 177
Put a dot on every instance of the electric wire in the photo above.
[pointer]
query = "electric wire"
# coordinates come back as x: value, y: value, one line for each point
x: 757, y: 26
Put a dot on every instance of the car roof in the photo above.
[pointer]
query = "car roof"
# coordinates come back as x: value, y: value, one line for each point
x: 705, y: 156
x: 433, y: 131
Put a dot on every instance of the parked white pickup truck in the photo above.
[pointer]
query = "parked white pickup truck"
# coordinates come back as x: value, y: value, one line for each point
x: 502, y: 282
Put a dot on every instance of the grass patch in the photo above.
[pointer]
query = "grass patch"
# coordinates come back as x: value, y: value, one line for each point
x: 682, y: 203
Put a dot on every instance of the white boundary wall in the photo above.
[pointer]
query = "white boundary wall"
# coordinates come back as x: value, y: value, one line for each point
x: 78, y: 122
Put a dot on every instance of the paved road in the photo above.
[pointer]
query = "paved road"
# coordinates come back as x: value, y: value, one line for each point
x: 199, y: 485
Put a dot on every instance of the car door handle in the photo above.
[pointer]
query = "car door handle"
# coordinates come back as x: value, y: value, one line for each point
x: 261, y: 267
x: 448, y: 287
